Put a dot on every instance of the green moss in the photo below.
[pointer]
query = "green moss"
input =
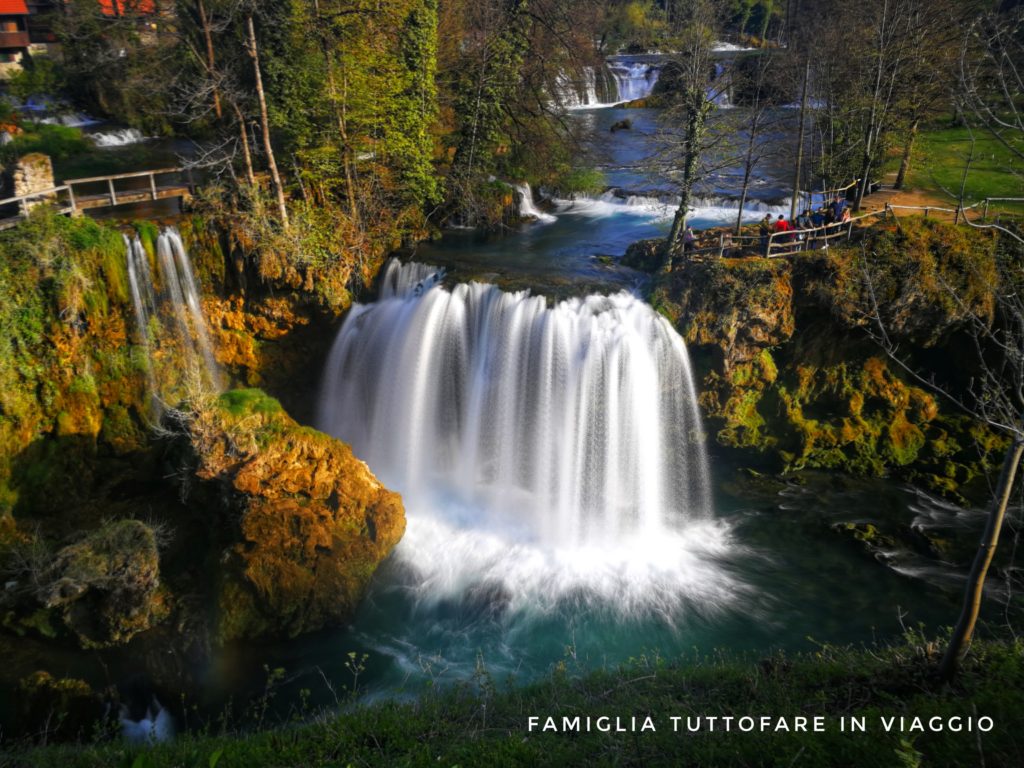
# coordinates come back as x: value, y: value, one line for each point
x: 242, y: 402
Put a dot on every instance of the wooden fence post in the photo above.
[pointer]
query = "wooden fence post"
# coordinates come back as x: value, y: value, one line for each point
x: 113, y: 194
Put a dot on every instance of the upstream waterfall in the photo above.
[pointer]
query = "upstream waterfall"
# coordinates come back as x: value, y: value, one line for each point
x: 169, y: 317
x: 551, y: 450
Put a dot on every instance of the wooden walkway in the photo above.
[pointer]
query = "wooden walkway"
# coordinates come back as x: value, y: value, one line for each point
x: 77, y: 195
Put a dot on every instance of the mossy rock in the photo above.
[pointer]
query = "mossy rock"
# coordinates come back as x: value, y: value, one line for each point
x: 868, y: 534
x: 314, y: 523
x: 102, y: 591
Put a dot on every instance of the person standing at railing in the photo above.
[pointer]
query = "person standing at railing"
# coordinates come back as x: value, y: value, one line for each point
x: 838, y: 206
x: 689, y: 240
x: 765, y: 230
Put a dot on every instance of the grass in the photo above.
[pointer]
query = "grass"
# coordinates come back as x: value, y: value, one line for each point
x: 487, y: 723
x: 938, y: 165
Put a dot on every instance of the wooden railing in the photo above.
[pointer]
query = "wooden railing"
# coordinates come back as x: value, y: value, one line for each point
x: 74, y: 195
x: 779, y: 244
x: 52, y: 195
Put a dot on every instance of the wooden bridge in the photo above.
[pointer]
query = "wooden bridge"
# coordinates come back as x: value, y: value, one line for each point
x: 77, y: 195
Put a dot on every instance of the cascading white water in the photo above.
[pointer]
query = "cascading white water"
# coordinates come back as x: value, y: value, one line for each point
x: 705, y: 211
x: 633, y: 79
x: 546, y: 452
x: 630, y: 80
x: 720, y: 91
x: 119, y: 138
x: 169, y: 300
x: 179, y: 285
x: 527, y: 206
x: 577, y: 94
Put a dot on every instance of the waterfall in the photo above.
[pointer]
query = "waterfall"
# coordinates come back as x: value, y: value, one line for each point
x: 527, y: 207
x: 579, y: 93
x: 623, y: 79
x: 120, y: 138
x: 550, y: 449
x: 720, y: 91
x: 168, y: 315
x: 633, y: 79
x: 705, y: 211
x: 410, y: 279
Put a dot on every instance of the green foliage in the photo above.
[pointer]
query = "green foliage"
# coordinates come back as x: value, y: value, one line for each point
x: 636, y: 25
x: 347, y: 82
x: 582, y: 180
x: 111, y: 68
x: 58, y: 141
x: 41, y: 77
x: 486, y: 89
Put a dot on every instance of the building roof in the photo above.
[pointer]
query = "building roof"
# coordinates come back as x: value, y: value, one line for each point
x: 125, y: 6
x: 13, y: 8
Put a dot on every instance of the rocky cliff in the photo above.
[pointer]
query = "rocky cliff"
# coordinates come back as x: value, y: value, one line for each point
x: 117, y: 531
x: 792, y: 378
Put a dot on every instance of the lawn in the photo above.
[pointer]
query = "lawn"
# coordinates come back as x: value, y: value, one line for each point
x: 939, y: 158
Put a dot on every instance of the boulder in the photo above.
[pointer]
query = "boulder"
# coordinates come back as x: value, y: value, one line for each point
x: 313, y: 521
x: 105, y: 588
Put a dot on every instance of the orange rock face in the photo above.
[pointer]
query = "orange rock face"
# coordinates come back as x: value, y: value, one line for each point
x: 314, y: 521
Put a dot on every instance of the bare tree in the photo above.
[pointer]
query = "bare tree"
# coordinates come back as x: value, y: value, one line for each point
x: 755, y: 125
x: 992, y: 76
x: 252, y: 48
x: 694, y: 68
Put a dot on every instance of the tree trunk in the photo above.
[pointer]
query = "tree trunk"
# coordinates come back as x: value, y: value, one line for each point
x: 268, y: 147
x: 908, y: 152
x: 798, y: 169
x: 982, y: 560
x: 250, y: 175
x: 696, y: 115
x: 210, y: 62
x: 748, y: 166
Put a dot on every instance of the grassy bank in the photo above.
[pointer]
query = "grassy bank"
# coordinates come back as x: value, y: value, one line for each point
x: 487, y: 723
x: 938, y: 165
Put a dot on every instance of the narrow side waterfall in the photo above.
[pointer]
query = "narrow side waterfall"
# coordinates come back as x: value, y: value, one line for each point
x: 720, y: 90
x: 169, y: 318
x: 542, y: 452
x: 527, y: 206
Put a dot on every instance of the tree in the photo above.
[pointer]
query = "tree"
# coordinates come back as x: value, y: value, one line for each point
x: 755, y: 121
x: 252, y: 48
x: 991, y: 76
x: 693, y: 68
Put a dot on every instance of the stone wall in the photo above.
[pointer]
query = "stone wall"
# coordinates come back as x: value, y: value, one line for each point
x: 32, y: 173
